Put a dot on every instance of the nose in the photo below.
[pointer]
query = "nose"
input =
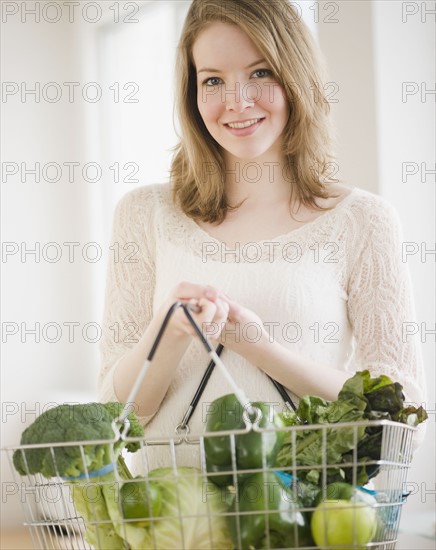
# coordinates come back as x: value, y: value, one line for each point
x: 238, y: 98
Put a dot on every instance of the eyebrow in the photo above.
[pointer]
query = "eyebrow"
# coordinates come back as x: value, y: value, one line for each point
x: 208, y: 70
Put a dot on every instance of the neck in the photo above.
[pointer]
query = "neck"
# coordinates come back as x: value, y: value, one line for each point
x: 263, y: 178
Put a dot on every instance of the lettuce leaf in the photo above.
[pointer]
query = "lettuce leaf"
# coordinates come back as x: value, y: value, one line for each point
x: 361, y: 398
x: 190, y: 516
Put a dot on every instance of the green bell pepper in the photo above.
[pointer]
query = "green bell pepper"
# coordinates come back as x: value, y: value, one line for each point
x: 140, y: 500
x: 226, y: 413
x: 279, y: 523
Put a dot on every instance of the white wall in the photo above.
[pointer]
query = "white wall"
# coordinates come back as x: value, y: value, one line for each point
x: 345, y: 37
x: 36, y: 373
x: 36, y: 290
x: 404, y: 39
x: 372, y: 50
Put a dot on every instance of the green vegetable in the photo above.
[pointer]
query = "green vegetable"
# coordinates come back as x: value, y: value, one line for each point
x: 345, y: 491
x: 140, y: 500
x: 278, y: 524
x: 187, y: 513
x: 90, y: 503
x: 337, y: 523
x: 166, y: 510
x: 226, y: 413
x: 76, y: 423
x: 68, y: 424
x: 337, y: 491
x: 361, y: 398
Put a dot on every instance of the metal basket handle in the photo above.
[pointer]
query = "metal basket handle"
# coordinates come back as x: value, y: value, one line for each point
x: 187, y: 308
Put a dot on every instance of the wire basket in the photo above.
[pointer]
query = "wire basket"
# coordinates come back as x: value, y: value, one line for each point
x: 188, y: 503
x: 55, y: 523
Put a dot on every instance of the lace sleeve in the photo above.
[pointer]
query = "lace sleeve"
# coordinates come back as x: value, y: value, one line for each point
x: 129, y: 287
x: 380, y: 302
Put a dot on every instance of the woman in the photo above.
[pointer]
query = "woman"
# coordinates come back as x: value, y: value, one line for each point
x: 298, y: 276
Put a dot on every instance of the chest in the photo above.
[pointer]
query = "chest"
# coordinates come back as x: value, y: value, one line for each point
x: 255, y: 225
x: 277, y: 282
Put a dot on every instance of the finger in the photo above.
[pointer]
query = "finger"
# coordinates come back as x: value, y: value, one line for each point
x: 194, y: 306
x: 206, y: 314
x: 209, y: 320
x: 211, y: 293
x: 222, y: 310
x: 234, y: 311
x: 186, y: 290
x: 207, y: 310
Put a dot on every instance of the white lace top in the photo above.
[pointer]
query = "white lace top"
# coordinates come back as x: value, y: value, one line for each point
x: 335, y: 289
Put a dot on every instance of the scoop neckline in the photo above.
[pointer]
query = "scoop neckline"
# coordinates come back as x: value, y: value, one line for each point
x: 284, y: 236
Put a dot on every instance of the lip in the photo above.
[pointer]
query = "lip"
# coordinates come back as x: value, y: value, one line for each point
x: 242, y: 132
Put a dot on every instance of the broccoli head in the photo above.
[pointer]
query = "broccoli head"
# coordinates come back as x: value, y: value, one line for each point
x: 69, y: 424
x: 135, y: 430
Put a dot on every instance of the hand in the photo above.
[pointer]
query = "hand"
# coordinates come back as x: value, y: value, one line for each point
x: 212, y: 314
x: 243, y: 327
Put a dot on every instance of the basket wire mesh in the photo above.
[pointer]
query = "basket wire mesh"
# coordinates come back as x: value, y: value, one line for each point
x: 56, y: 523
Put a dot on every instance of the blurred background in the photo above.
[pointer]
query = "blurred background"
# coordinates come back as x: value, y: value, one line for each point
x: 87, y: 115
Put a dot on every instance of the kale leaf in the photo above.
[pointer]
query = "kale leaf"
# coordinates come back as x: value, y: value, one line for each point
x: 361, y: 398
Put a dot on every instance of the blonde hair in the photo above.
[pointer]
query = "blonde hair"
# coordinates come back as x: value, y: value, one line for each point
x: 275, y: 27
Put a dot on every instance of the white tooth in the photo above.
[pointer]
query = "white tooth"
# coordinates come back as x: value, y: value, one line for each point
x: 243, y: 124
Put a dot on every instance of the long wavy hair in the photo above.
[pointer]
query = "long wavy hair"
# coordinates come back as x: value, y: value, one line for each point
x: 275, y: 27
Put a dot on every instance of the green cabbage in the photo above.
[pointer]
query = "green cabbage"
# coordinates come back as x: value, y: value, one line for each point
x: 191, y: 514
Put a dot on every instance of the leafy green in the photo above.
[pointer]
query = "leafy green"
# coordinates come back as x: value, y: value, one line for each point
x: 187, y: 509
x: 190, y: 513
x: 361, y: 398
x: 90, y: 503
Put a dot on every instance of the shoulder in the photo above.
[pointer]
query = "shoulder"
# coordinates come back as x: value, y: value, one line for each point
x: 139, y: 210
x: 373, y: 234
x: 145, y: 197
x: 372, y: 226
x: 371, y: 210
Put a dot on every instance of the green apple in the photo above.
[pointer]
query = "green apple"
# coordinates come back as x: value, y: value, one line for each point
x: 343, y: 522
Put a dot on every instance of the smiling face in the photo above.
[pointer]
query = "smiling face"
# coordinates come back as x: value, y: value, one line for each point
x: 242, y: 105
